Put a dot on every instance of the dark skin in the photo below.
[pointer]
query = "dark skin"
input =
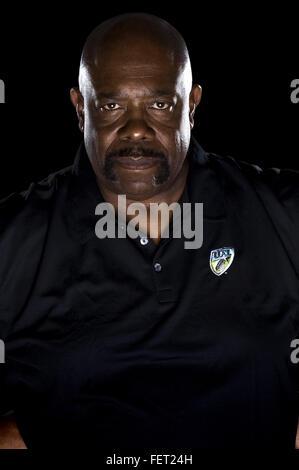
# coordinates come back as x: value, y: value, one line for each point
x: 10, y: 437
x: 132, y: 67
x: 138, y: 94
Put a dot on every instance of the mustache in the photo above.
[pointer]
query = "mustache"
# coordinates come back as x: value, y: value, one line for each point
x: 136, y: 152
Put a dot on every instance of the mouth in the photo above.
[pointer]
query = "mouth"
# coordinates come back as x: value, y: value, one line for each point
x: 136, y: 163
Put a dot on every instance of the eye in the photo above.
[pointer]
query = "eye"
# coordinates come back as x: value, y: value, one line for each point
x: 110, y: 107
x: 161, y: 105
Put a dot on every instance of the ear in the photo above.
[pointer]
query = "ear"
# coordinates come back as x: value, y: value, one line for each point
x: 194, y: 100
x: 78, y: 102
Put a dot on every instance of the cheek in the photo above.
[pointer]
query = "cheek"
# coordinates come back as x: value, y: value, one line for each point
x: 96, y: 136
x: 175, y: 131
x: 179, y: 129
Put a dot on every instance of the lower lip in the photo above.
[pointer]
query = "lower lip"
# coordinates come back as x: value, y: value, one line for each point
x: 136, y: 163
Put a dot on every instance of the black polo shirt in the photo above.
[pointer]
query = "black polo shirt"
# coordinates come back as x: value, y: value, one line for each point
x: 104, y: 349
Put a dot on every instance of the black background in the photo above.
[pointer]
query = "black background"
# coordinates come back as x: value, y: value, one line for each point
x: 243, y: 58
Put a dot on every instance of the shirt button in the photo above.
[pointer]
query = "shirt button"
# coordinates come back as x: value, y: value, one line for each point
x: 144, y: 241
x: 157, y: 267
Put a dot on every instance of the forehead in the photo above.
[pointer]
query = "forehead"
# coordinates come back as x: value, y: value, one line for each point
x: 135, y: 63
x: 140, y: 78
x: 134, y: 58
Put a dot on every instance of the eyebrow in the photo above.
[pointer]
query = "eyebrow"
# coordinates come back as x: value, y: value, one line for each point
x: 113, y: 95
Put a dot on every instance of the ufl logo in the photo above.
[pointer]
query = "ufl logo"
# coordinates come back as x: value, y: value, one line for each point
x: 2, y: 92
x: 221, y: 259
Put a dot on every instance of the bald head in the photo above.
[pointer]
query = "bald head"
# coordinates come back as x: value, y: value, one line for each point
x: 135, y: 105
x: 139, y: 37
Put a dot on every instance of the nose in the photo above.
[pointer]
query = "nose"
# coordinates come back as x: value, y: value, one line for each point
x: 136, y: 128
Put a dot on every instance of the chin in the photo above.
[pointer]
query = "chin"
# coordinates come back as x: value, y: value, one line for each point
x: 139, y: 192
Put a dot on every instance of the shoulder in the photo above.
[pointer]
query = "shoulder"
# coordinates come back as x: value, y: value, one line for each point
x: 25, y: 218
x: 282, y: 182
x: 276, y: 178
x: 278, y: 188
x: 35, y: 200
x: 25, y: 215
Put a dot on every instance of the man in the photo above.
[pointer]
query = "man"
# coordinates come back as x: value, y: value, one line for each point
x: 139, y: 342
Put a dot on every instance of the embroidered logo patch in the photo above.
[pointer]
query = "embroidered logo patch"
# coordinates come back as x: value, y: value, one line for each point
x: 221, y: 259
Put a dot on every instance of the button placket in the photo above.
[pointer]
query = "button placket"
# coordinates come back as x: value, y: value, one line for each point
x: 157, y: 267
x: 144, y: 241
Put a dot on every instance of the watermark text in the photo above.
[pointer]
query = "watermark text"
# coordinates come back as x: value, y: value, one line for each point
x: 2, y: 91
x: 153, y: 219
x: 295, y: 93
